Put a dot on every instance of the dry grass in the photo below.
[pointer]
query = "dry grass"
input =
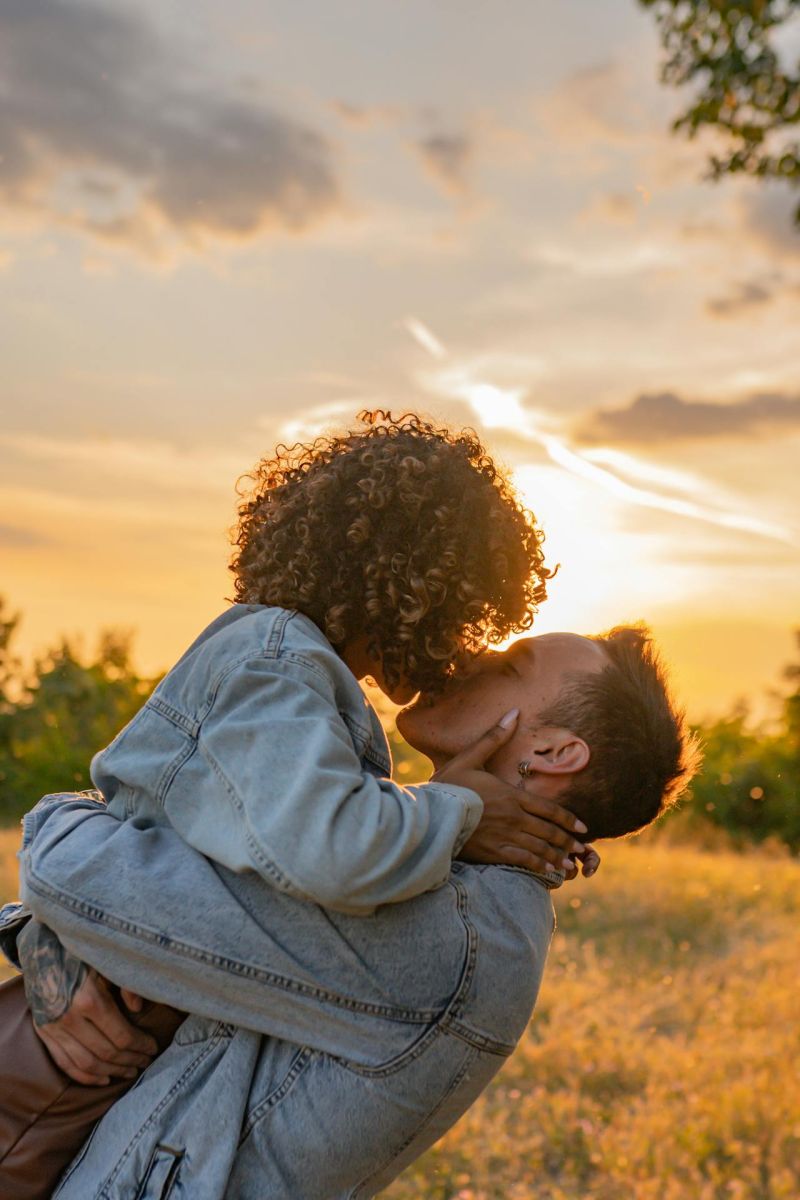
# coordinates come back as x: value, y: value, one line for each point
x: 662, y: 1061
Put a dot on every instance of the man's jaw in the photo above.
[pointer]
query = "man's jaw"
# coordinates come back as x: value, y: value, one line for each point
x: 438, y: 754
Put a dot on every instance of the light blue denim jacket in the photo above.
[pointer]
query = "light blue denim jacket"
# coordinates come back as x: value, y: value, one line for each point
x: 329, y: 1045
x: 260, y: 749
x: 380, y: 1030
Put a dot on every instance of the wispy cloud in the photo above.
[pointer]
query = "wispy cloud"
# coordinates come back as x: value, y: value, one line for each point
x: 502, y: 407
x: 423, y: 336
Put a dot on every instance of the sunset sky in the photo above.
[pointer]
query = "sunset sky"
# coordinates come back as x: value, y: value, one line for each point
x: 228, y: 225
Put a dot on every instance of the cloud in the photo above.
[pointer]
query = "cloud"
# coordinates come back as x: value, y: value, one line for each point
x: 160, y: 464
x: 665, y: 416
x: 744, y: 298
x: 597, y: 104
x: 363, y: 116
x: 446, y: 158
x: 105, y: 128
x: 15, y: 537
x: 615, y: 208
x: 766, y: 214
x: 501, y: 407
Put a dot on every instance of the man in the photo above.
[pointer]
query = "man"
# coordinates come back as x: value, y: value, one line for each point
x: 381, y: 1029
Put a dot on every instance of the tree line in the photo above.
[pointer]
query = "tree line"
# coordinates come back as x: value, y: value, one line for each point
x: 56, y: 714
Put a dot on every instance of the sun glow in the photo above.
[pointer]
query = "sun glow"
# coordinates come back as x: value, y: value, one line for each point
x: 500, y: 407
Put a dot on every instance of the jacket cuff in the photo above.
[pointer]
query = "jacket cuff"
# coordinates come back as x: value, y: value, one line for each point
x: 13, y: 919
x: 33, y: 821
x: 472, y: 811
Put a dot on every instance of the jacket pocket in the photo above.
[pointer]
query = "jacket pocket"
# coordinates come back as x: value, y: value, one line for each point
x: 161, y: 1174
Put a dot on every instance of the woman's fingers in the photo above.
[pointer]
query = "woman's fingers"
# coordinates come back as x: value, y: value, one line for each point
x: 516, y: 856
x: 548, y: 810
x: 590, y: 861
x: 551, y: 856
x: 572, y: 872
x: 556, y: 837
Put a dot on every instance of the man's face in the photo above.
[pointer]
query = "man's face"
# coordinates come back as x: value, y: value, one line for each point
x: 531, y: 676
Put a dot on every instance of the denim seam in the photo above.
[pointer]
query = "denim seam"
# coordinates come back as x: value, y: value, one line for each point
x: 480, y: 1041
x: 359, y: 733
x: 407, y: 1016
x: 377, y: 759
x: 169, y: 775
x: 257, y: 850
x: 191, y: 1069
x: 251, y: 654
x: 173, y: 715
x: 299, y: 660
x: 400, y: 1061
x: 426, y: 1120
x: 298, y: 1064
x: 276, y: 634
x: 103, y: 1193
x: 451, y: 1012
x: 456, y: 1005
x: 168, y: 1184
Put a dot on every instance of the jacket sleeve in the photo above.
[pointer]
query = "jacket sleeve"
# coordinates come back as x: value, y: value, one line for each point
x: 153, y: 915
x: 289, y: 798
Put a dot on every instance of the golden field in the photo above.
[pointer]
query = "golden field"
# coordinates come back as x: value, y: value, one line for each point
x: 662, y: 1060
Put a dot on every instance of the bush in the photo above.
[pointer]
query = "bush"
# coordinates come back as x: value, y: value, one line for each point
x: 750, y: 781
x: 54, y: 719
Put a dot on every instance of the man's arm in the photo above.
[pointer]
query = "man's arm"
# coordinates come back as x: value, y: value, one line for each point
x: 156, y: 917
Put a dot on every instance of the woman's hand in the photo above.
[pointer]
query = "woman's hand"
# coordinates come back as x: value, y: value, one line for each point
x: 589, y: 860
x: 517, y: 828
x: 75, y: 1014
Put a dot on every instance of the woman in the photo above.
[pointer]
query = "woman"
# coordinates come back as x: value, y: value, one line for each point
x: 395, y: 550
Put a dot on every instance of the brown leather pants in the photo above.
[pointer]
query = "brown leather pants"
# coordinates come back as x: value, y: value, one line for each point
x: 44, y: 1116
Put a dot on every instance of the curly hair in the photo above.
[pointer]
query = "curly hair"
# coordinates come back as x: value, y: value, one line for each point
x: 399, y: 530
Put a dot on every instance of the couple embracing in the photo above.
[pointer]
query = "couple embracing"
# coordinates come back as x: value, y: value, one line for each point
x: 339, y: 963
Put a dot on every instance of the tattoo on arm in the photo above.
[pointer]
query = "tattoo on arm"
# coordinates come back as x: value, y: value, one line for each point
x: 52, y: 975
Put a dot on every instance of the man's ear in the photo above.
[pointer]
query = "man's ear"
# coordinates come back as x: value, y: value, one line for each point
x: 558, y: 752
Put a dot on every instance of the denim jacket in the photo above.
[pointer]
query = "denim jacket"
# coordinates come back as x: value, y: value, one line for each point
x: 328, y: 1046
x: 327, y: 1050
x: 260, y: 749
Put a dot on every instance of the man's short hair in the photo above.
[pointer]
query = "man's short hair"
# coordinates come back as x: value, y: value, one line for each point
x: 642, y: 751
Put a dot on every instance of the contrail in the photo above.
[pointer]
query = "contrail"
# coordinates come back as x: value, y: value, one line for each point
x: 424, y: 337
x: 499, y: 407
x: 560, y: 453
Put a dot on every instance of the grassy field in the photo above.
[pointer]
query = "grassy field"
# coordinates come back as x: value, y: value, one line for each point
x: 662, y: 1060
